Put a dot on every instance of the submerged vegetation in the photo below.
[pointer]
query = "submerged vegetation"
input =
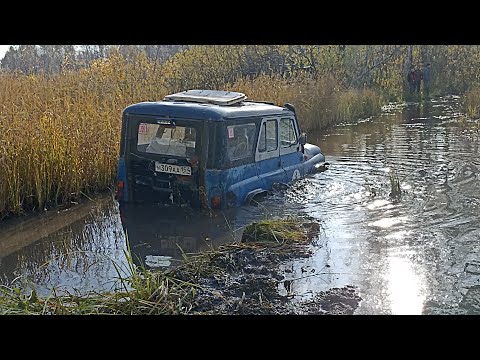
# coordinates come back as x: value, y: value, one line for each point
x: 395, y: 187
x: 472, y: 103
x: 60, y: 130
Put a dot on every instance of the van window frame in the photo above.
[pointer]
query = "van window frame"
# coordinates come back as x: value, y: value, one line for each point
x: 268, y: 154
x: 295, y: 129
x: 294, y: 147
x: 132, y: 134
x: 228, y: 163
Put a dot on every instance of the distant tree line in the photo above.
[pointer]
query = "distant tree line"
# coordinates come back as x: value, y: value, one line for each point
x: 383, y: 68
x: 53, y: 59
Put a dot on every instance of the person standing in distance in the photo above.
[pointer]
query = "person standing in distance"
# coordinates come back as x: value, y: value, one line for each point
x: 427, y: 76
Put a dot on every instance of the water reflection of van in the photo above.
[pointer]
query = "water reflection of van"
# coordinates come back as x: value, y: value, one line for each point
x: 210, y: 148
x: 159, y: 235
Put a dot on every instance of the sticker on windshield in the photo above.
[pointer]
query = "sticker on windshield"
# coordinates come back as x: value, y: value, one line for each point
x: 142, y: 128
x: 230, y: 132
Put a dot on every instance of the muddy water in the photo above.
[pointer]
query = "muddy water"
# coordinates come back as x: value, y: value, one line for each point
x: 417, y: 253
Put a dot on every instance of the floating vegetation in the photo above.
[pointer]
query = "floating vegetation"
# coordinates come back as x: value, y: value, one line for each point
x: 395, y: 190
x: 279, y: 230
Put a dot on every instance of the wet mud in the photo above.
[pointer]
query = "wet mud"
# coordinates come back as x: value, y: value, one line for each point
x: 248, y: 276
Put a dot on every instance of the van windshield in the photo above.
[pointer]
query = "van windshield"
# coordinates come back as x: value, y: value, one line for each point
x: 166, y: 139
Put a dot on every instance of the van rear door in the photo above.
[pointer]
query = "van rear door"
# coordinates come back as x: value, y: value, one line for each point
x: 163, y: 160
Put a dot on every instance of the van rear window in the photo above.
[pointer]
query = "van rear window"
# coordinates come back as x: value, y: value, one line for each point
x: 166, y: 139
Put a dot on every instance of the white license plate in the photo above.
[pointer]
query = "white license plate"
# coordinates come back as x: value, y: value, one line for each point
x: 173, y: 169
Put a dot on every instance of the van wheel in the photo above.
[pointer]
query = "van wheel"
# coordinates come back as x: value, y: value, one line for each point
x: 257, y: 198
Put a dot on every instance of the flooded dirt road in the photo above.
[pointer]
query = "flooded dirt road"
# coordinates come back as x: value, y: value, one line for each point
x: 417, y: 253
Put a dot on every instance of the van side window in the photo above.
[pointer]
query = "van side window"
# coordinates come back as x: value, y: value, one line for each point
x: 288, y: 136
x: 268, y: 136
x: 240, y: 140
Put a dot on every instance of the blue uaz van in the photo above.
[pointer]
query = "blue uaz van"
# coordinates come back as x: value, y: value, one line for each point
x: 210, y: 148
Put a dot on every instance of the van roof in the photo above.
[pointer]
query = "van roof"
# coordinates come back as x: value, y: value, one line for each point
x: 218, y: 97
x: 206, y: 105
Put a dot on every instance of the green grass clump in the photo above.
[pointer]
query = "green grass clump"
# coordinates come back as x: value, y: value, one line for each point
x: 275, y: 230
x: 143, y: 292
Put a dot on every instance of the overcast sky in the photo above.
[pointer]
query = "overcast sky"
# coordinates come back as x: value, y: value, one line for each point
x: 3, y: 50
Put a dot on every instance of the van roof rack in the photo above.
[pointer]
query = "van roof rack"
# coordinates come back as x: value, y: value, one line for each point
x: 217, y: 97
x: 261, y: 102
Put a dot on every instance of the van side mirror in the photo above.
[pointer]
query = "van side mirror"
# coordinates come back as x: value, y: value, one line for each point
x: 303, y: 138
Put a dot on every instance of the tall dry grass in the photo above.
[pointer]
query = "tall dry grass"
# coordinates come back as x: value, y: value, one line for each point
x: 60, y: 135
x: 471, y: 103
x: 320, y: 103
